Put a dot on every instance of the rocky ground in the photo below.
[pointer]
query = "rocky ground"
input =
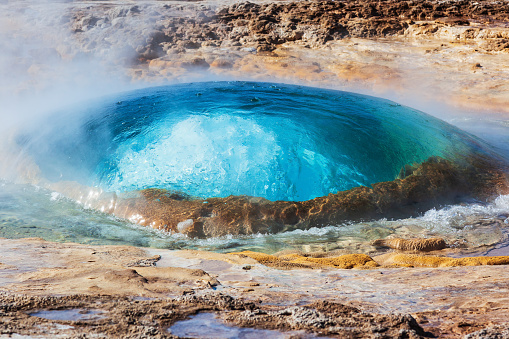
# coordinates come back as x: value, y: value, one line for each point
x: 448, y: 57
x: 120, y: 291
x: 426, y: 53
x: 128, y: 318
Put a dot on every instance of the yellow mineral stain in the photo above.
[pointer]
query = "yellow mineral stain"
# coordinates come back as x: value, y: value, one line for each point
x: 411, y: 260
x: 289, y: 261
x: 363, y: 261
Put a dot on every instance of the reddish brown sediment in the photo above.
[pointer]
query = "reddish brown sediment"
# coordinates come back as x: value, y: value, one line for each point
x: 433, y: 183
x: 452, y: 53
x: 423, y: 245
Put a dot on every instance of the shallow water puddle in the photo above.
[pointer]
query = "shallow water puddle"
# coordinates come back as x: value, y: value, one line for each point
x: 73, y: 314
x: 205, y: 325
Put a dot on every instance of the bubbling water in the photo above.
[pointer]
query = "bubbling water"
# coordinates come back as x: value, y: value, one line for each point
x: 274, y: 141
x: 217, y: 139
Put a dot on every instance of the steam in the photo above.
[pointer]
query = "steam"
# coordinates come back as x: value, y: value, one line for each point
x: 57, y: 54
x: 44, y: 66
x: 43, y: 60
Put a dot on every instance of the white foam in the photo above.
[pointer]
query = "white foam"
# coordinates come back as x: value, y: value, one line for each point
x: 55, y: 196
x: 456, y: 216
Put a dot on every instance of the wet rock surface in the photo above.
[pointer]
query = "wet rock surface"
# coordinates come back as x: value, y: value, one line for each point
x: 57, y: 301
x: 329, y: 318
x: 494, y: 332
x: 433, y: 183
x: 131, y: 318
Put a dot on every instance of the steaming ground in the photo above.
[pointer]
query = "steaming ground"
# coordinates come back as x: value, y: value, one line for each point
x: 58, y: 53
x: 55, y: 54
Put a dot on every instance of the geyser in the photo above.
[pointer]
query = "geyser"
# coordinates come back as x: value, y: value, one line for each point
x: 210, y: 159
x: 217, y: 139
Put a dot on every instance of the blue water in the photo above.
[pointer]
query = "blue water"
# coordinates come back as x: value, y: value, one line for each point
x: 217, y: 139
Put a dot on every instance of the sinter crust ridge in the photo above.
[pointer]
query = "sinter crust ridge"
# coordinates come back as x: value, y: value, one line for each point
x: 433, y: 183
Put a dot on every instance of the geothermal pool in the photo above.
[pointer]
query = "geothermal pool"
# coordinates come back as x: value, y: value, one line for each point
x: 219, y: 139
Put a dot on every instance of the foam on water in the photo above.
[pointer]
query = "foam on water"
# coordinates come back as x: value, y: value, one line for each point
x: 217, y: 139
x: 454, y: 217
x: 279, y: 142
x: 27, y: 211
x: 209, y: 154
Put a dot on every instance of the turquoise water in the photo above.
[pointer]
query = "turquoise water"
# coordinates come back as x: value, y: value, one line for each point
x: 217, y: 139
x: 28, y: 211
x: 222, y: 138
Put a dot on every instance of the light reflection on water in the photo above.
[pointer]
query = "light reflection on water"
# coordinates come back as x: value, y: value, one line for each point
x: 29, y: 211
x: 115, y: 139
x: 73, y: 314
x: 205, y: 325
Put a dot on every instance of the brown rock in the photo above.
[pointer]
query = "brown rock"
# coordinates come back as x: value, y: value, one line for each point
x: 221, y: 63
x: 196, y: 63
x: 422, y: 245
x: 453, y: 21
x: 434, y: 182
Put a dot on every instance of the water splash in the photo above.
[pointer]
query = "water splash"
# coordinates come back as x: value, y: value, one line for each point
x: 279, y: 142
x: 27, y: 211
